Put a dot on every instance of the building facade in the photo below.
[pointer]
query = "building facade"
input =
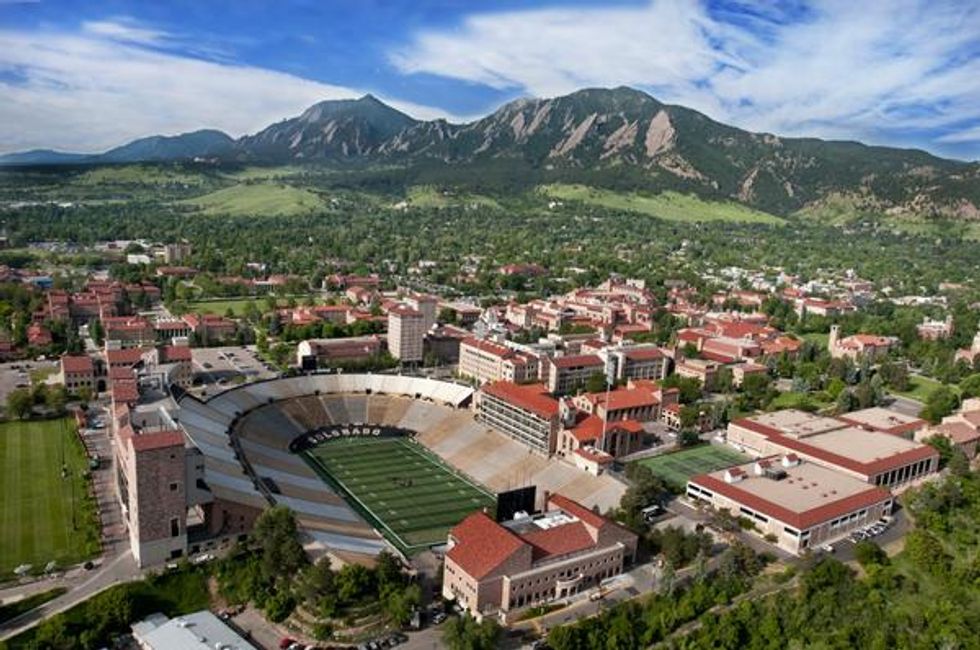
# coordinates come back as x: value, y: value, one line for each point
x: 499, y: 569
x: 406, y: 331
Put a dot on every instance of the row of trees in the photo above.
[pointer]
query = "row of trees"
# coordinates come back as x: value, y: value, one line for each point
x: 273, y: 572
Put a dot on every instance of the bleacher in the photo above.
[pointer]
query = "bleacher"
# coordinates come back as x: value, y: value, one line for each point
x: 262, y: 418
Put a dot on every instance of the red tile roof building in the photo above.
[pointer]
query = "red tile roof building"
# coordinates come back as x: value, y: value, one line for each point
x: 486, y: 361
x: 570, y: 373
x: 525, y: 412
x: 802, y: 504
x: 498, y: 569
x: 878, y: 458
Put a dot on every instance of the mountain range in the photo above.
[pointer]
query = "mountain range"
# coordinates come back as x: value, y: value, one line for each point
x: 617, y: 137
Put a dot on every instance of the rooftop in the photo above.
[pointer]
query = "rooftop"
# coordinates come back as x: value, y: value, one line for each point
x: 808, y: 494
x: 198, y: 631
x: 530, y: 397
x: 885, y: 420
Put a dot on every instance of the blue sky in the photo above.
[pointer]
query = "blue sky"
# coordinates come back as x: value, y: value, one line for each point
x: 85, y: 76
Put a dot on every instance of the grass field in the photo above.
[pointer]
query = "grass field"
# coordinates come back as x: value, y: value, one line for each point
x: 428, y: 196
x: 920, y: 387
x: 677, y: 467
x: 237, y: 305
x: 819, y: 339
x: 36, y: 506
x: 267, y: 199
x: 670, y: 206
x: 405, y: 491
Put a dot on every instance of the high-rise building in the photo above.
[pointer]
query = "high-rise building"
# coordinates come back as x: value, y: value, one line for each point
x: 406, y: 331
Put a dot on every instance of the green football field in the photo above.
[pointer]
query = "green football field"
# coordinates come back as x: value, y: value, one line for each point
x: 404, y: 490
x: 677, y: 467
x: 38, y: 503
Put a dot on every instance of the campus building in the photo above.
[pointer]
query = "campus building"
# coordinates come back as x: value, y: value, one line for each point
x: 802, y: 504
x: 498, y: 569
x: 869, y: 455
x: 486, y: 361
x: 525, y: 412
x: 406, y: 331
x: 570, y: 373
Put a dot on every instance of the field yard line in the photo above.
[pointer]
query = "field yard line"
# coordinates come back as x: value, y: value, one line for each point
x: 353, y: 496
x: 456, y: 472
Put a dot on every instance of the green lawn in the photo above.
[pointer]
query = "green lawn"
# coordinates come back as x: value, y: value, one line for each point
x: 671, y: 206
x: 237, y: 305
x: 677, y: 467
x: 920, y: 387
x: 803, y: 401
x: 38, y: 503
x: 820, y: 339
x: 260, y: 198
x: 429, y: 196
x: 404, y: 490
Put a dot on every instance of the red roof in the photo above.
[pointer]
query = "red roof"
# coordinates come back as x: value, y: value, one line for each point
x: 643, y: 354
x: 568, y: 538
x: 624, y: 398
x: 578, y: 361
x: 921, y: 452
x: 719, y: 358
x: 176, y: 353
x: 125, y: 356
x: 482, y: 545
x: 79, y: 363
x: 800, y: 520
x: 530, y: 397
x: 157, y: 440
x: 576, y: 509
x: 958, y: 432
x: 590, y: 428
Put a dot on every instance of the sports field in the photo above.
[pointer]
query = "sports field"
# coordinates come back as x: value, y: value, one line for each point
x: 677, y: 467
x: 403, y: 490
x: 37, y: 504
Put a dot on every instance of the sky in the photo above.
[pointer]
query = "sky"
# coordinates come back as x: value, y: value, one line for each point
x: 87, y: 76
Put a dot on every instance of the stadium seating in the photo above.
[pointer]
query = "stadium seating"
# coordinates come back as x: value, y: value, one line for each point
x: 262, y: 418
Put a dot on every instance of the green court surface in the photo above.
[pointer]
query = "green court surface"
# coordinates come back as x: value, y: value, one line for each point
x: 677, y: 467
x: 400, y: 487
x: 39, y: 504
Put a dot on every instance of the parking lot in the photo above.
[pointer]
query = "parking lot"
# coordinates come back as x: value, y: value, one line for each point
x: 17, y: 374
x: 217, y: 369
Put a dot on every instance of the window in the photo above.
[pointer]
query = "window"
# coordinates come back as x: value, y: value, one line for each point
x: 174, y: 527
x: 173, y: 487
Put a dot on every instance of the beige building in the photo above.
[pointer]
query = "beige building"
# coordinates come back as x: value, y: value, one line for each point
x: 883, y: 459
x: 498, y: 569
x: 406, y: 332
x: 525, y: 412
x: 802, y: 504
x: 427, y: 305
x: 859, y: 346
x: 570, y: 373
x: 486, y: 361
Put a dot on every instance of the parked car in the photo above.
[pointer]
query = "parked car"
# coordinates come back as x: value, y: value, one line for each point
x: 827, y: 548
x: 285, y: 642
x: 438, y: 618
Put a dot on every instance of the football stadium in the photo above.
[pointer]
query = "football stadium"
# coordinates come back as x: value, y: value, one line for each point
x: 366, y: 461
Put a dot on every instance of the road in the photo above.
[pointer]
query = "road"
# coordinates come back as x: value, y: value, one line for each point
x: 116, y: 564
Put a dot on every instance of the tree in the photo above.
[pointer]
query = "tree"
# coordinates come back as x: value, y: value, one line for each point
x: 276, y: 535
x: 464, y: 633
x: 20, y: 403
x: 56, y: 398
x: 399, y: 603
x: 970, y: 387
x: 867, y: 553
x: 596, y: 383
x: 97, y: 332
x: 941, y: 402
x: 927, y: 552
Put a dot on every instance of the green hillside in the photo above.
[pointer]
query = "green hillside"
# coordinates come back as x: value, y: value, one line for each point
x: 670, y: 206
x: 259, y: 199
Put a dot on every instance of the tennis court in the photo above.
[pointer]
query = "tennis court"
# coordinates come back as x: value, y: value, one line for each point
x: 677, y: 467
x: 400, y: 487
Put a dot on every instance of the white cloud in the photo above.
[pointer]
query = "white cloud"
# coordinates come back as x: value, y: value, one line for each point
x: 840, y: 68
x: 109, y: 84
